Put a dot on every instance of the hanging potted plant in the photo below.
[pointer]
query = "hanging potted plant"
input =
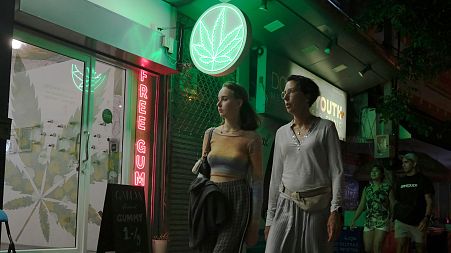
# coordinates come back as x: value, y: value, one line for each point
x: 160, y: 243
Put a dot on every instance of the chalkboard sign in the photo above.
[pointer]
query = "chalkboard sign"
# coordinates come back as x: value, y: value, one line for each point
x: 124, y: 224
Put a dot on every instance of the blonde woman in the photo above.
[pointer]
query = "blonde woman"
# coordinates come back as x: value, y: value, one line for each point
x: 235, y: 158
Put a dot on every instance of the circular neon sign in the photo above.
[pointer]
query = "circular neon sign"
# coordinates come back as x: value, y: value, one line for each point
x: 219, y: 39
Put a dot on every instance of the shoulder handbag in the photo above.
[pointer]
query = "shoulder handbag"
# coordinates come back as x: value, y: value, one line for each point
x: 202, y: 166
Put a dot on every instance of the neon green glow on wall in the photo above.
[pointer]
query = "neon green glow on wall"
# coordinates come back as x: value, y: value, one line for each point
x: 219, y: 39
x: 96, y: 79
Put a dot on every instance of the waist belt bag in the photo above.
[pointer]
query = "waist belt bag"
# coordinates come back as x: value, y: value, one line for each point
x: 311, y: 200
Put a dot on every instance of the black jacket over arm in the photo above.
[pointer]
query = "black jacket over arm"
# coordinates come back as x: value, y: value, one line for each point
x: 207, y: 211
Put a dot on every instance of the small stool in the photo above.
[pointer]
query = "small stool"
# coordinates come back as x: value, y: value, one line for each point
x: 4, y: 218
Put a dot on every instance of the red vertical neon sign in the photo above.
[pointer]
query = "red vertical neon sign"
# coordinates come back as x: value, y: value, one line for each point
x: 142, y: 131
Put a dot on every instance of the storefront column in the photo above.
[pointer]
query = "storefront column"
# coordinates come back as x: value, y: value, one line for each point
x: 6, y: 34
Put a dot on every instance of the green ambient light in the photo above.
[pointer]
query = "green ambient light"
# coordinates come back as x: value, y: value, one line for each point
x: 327, y: 50
x: 332, y: 42
x: 77, y: 78
x: 219, y: 39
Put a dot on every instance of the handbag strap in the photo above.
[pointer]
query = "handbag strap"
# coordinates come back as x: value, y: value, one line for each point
x: 208, y: 147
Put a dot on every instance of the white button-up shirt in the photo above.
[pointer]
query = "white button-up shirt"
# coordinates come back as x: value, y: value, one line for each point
x: 309, y: 162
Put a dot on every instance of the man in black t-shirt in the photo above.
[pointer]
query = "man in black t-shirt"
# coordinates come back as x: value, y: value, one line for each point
x: 413, y: 206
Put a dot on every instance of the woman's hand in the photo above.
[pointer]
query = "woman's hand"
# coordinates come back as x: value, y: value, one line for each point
x: 423, y: 224
x: 334, y: 226
x: 352, y: 225
x: 267, y: 232
x: 252, y: 234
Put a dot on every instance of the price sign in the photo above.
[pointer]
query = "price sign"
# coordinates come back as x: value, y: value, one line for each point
x: 124, y: 220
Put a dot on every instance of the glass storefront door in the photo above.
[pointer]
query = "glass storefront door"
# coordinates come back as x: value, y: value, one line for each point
x: 105, y: 148
x: 65, y: 145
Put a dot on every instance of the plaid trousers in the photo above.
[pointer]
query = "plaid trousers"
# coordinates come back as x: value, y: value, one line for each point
x: 231, y: 237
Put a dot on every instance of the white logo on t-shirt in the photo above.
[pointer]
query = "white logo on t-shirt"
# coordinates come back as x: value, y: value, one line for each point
x: 409, y: 186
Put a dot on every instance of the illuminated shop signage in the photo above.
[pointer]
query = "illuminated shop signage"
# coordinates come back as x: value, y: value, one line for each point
x: 142, y: 131
x: 331, y: 108
x: 96, y: 79
x: 330, y: 105
x: 220, y: 38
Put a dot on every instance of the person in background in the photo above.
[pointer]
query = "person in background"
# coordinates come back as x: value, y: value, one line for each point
x: 413, y: 206
x: 304, y: 205
x: 236, y: 168
x: 377, y: 199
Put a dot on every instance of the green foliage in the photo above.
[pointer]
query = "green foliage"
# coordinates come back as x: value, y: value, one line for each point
x: 395, y: 107
x: 426, y: 27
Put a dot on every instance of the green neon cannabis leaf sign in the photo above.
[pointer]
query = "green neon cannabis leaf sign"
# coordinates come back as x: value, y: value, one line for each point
x: 96, y: 79
x: 219, y: 39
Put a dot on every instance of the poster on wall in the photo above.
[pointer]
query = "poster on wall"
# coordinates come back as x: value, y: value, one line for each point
x: 381, y: 146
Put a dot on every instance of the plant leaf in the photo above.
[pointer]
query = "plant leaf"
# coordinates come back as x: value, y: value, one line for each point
x: 18, y: 203
x: 93, y: 216
x: 61, y: 162
x: 218, y: 29
x: 205, y: 39
x: 25, y: 108
x: 202, y: 51
x: 44, y: 220
x: 66, y: 217
x: 230, y: 42
x: 99, y: 168
x: 14, y: 179
x: 223, y: 59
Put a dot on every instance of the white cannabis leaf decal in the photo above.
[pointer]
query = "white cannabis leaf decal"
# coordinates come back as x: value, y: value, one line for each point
x: 217, y: 48
x: 96, y: 79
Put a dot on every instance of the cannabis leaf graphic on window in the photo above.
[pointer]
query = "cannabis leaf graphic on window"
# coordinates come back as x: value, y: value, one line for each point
x: 41, y: 186
x: 96, y: 79
x: 216, y: 48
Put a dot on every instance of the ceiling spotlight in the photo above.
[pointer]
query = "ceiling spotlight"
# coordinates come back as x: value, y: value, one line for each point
x: 16, y: 44
x: 263, y: 5
x: 332, y: 42
x: 364, y: 70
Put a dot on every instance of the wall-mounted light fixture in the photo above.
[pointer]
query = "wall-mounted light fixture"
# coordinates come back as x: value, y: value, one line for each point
x: 16, y: 44
x: 332, y: 42
x: 364, y: 70
x: 263, y: 5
